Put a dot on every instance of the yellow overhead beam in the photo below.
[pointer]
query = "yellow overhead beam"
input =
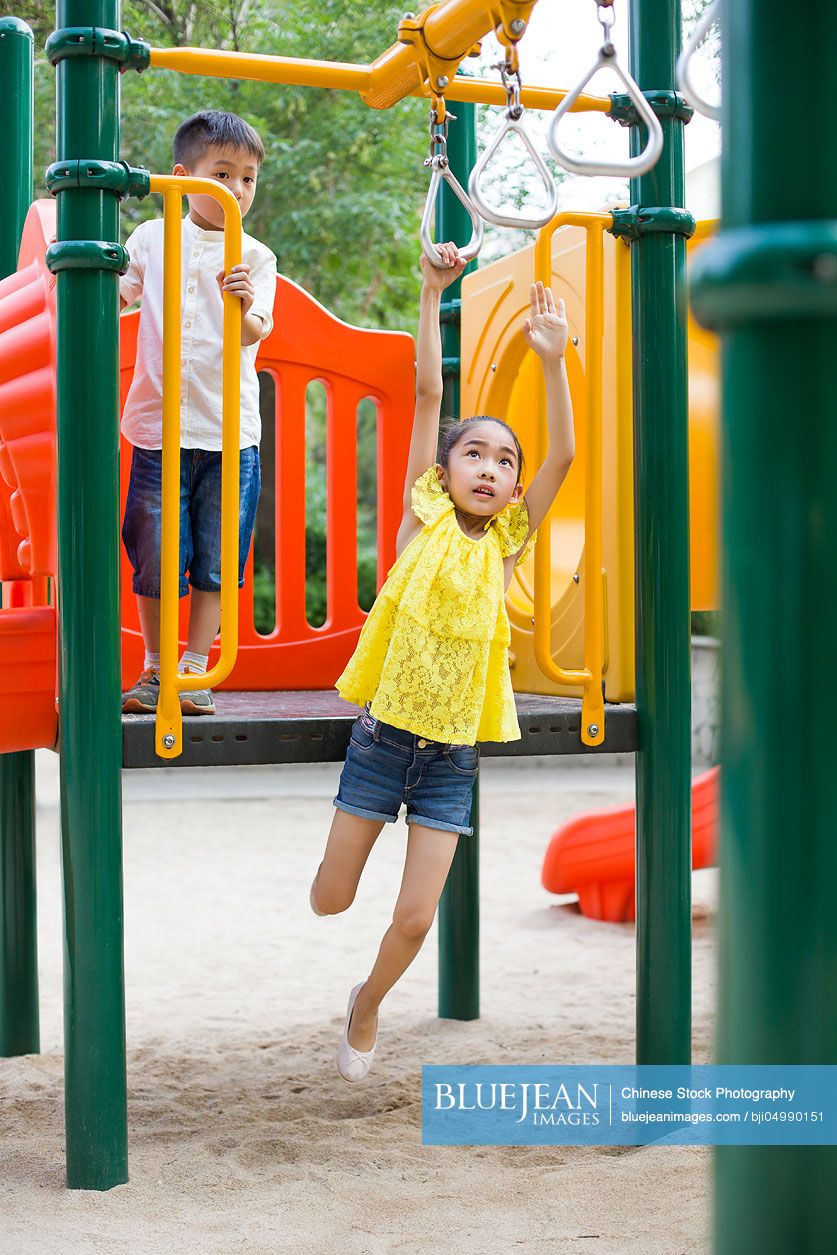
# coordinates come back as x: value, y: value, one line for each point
x: 481, y: 91
x: 424, y: 62
x: 261, y: 68
x: 339, y: 75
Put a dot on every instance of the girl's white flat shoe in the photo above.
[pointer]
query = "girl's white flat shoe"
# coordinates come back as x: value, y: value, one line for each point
x: 353, y: 1064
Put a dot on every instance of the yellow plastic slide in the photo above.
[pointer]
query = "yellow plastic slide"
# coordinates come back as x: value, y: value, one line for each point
x: 499, y: 376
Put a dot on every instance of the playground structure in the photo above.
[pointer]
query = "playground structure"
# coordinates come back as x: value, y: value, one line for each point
x: 308, y: 343
x: 769, y: 289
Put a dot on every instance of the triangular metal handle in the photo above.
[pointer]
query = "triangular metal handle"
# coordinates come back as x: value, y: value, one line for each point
x: 684, y: 64
x: 633, y: 165
x: 512, y: 123
x: 441, y: 170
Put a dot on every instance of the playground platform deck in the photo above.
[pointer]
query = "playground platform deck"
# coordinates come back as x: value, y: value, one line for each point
x: 313, y: 726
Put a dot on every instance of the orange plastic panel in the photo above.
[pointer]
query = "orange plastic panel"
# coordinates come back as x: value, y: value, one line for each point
x: 10, y: 566
x: 28, y: 717
x: 28, y: 546
x: 38, y: 233
x: 27, y: 406
x: 308, y: 343
x: 594, y: 856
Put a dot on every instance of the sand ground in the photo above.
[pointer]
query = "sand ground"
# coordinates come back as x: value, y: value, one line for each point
x: 242, y: 1135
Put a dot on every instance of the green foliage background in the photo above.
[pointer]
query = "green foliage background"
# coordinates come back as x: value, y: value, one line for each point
x: 339, y: 197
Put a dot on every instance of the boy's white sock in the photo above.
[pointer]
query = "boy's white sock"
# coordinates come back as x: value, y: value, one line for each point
x: 151, y: 660
x: 195, y: 662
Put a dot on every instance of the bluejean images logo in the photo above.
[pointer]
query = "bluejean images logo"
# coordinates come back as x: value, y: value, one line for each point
x: 629, y: 1105
x: 537, y: 1101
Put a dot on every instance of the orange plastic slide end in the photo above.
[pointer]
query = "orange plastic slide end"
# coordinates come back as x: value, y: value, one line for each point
x: 593, y: 855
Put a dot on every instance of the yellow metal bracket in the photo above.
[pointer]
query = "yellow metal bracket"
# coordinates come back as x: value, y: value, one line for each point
x: 511, y: 18
x: 435, y: 71
x: 438, y: 48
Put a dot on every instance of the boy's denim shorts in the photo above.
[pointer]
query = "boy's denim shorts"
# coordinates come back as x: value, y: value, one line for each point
x: 386, y: 766
x: 200, y: 517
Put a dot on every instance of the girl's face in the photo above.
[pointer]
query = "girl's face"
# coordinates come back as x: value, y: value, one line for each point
x: 482, y: 471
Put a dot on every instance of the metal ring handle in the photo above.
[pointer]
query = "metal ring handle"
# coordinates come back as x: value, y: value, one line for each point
x: 512, y: 123
x: 684, y: 64
x: 633, y: 165
x: 441, y: 170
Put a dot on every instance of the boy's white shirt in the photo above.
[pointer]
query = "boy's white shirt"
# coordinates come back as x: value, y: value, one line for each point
x: 200, y: 330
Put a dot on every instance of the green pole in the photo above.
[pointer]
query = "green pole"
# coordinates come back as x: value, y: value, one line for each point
x: 88, y: 599
x: 459, y: 909
x: 19, y: 1029
x: 19, y: 1033
x: 769, y: 285
x: 661, y: 548
x: 16, y: 136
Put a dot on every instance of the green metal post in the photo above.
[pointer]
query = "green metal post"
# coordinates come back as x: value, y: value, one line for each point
x: 19, y: 1032
x: 88, y: 599
x: 19, y: 1029
x: 661, y: 511
x: 459, y: 909
x: 16, y: 136
x: 459, y: 927
x: 769, y: 285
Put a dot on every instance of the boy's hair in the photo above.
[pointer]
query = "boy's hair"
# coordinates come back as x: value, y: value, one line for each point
x: 212, y: 128
x: 458, y: 428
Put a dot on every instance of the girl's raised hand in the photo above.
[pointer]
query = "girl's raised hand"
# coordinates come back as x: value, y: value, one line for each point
x: 546, y: 329
x: 439, y: 279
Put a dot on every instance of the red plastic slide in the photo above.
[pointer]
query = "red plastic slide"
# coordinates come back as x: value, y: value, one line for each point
x: 594, y: 854
x: 28, y: 718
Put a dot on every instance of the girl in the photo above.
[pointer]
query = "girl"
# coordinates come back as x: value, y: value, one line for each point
x: 431, y: 665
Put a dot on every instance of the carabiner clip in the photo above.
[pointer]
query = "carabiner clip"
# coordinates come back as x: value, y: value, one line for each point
x: 684, y: 64
x: 632, y: 166
x: 513, y: 121
x: 438, y: 162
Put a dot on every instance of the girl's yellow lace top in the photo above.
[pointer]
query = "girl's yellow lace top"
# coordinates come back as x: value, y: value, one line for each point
x: 432, y: 657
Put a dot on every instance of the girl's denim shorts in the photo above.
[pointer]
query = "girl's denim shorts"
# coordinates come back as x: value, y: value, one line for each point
x: 386, y: 766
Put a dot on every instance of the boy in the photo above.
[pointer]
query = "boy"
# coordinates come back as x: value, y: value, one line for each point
x: 220, y: 146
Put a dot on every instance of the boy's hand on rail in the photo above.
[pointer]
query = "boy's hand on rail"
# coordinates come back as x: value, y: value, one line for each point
x: 239, y: 283
x: 546, y: 329
x: 437, y: 280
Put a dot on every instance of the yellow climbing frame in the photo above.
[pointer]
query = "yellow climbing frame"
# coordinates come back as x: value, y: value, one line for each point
x: 169, y: 725
x: 589, y: 677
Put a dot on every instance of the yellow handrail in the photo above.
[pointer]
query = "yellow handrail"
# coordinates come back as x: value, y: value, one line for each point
x: 169, y: 724
x: 589, y: 678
